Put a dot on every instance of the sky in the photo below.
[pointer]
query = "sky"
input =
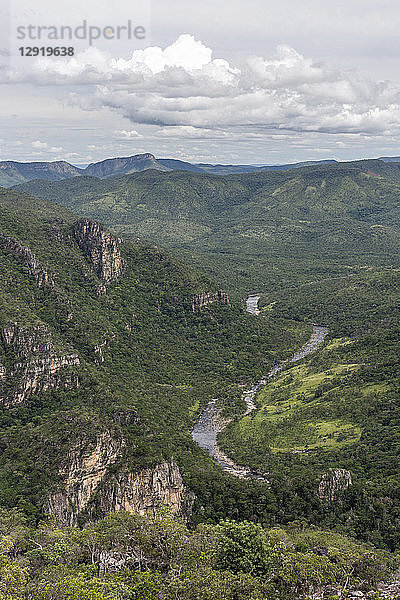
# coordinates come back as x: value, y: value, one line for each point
x: 227, y: 81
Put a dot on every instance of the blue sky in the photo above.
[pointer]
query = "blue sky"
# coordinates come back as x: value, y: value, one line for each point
x: 263, y: 81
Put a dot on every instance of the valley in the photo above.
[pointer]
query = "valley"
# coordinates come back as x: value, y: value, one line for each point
x: 210, y: 423
x: 200, y: 300
x: 193, y: 379
x: 259, y: 231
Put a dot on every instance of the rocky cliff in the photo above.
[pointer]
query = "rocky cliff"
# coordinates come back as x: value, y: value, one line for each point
x: 101, y: 248
x: 146, y: 491
x: 33, y: 364
x: 88, y: 485
x: 82, y: 473
x: 333, y: 483
x: 25, y: 256
x: 200, y: 301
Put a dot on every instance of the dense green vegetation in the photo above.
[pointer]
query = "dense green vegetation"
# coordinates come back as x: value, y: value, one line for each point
x: 252, y: 231
x: 161, y: 362
x: 321, y: 244
x: 338, y: 409
x: 126, y: 557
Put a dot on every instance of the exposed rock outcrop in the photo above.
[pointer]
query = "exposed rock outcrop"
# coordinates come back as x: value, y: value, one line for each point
x: 88, y: 485
x: 333, y: 483
x: 99, y: 349
x: 25, y: 255
x: 83, y: 471
x: 101, y: 248
x: 200, y: 301
x: 146, y: 491
x: 35, y: 365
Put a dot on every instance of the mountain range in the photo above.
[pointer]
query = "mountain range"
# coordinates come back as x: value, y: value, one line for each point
x: 13, y: 172
x: 255, y: 230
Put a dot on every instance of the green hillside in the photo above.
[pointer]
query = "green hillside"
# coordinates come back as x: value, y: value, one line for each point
x: 254, y: 231
x: 87, y: 352
x: 111, y: 349
x: 338, y: 409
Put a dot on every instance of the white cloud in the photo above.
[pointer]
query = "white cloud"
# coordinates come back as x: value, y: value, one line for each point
x: 123, y: 134
x: 190, y: 132
x: 183, y: 89
x: 38, y: 145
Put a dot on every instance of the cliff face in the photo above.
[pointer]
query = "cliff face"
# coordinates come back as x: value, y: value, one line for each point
x: 146, y: 491
x: 33, y: 364
x: 333, y: 483
x: 83, y: 471
x: 25, y: 255
x: 200, y: 301
x: 87, y: 484
x: 101, y: 248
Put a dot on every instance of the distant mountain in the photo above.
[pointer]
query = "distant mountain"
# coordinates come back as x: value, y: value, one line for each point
x: 173, y: 164
x: 390, y: 159
x: 13, y: 173
x: 124, y: 166
x: 238, y: 169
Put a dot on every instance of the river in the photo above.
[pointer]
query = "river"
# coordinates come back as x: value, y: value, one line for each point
x: 209, y: 424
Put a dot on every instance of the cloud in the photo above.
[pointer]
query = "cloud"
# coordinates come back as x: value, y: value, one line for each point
x: 123, y: 134
x: 190, y: 132
x: 189, y: 93
x: 38, y: 145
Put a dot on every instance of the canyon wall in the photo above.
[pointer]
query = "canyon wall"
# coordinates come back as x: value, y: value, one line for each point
x: 88, y: 486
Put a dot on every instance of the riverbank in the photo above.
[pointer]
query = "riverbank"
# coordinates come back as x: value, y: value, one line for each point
x: 210, y: 423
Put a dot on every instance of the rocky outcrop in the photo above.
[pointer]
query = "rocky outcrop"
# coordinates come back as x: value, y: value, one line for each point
x: 333, y: 483
x: 146, y: 491
x: 35, y: 365
x: 25, y: 255
x: 101, y: 248
x: 99, y: 349
x: 82, y: 473
x: 88, y: 485
x: 200, y: 301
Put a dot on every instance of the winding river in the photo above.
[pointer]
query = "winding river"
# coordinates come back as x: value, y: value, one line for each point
x: 209, y: 424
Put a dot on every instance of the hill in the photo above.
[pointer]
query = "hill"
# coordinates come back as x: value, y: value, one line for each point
x: 120, y: 166
x: 338, y: 410
x: 108, y: 351
x: 252, y: 231
x: 13, y: 172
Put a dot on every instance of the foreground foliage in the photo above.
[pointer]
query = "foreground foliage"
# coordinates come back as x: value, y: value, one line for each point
x: 143, y: 558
